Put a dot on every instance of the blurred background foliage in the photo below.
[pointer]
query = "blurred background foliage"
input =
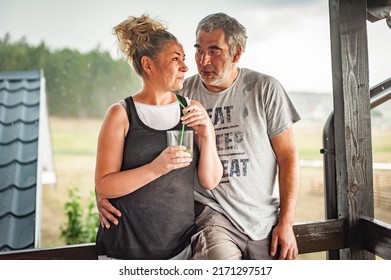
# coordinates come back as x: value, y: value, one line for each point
x: 81, y: 85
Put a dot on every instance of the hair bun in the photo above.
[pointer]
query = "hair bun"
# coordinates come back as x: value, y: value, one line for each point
x: 134, y: 33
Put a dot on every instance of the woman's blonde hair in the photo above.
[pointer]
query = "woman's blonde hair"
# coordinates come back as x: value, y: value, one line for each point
x: 141, y: 36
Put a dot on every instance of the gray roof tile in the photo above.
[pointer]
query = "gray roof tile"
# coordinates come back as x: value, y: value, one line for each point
x: 21, y: 152
x: 21, y: 113
x: 17, y: 175
x: 16, y: 232
x: 21, y: 97
x: 18, y: 202
x: 19, y: 131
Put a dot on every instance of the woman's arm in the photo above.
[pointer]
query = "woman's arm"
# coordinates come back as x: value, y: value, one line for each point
x: 210, y: 169
x: 110, y: 182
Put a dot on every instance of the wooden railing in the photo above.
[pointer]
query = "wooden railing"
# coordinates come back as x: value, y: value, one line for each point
x: 371, y: 235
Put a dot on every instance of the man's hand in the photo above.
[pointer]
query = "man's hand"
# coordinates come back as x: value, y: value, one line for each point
x: 284, y: 236
x: 107, y: 212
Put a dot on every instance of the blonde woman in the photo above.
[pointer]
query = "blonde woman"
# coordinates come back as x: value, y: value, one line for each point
x: 149, y: 183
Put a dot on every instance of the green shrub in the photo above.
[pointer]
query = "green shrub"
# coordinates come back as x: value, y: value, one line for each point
x: 80, y: 227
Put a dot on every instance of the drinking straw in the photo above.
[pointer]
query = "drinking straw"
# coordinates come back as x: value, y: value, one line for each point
x: 183, y: 126
x: 183, y: 106
x: 182, y: 132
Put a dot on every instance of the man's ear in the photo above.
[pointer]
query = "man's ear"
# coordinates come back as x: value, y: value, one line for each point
x: 238, y: 54
x: 146, y: 63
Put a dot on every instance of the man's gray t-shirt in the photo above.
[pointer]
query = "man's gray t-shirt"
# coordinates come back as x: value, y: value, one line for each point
x: 253, y: 110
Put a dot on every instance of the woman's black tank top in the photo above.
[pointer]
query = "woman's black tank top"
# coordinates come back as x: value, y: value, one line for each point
x: 158, y: 219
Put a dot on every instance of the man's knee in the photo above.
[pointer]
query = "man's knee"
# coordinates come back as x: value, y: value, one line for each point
x: 214, y: 244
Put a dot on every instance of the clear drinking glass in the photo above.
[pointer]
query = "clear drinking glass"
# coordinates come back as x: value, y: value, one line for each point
x: 181, y: 138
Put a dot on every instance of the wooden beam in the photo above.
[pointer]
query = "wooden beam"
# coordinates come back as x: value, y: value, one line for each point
x: 352, y: 118
x: 69, y: 252
x: 321, y: 236
x: 378, y: 4
x: 378, y: 10
x: 375, y: 237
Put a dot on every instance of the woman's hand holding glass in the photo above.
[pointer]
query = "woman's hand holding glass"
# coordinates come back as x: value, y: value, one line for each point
x: 171, y: 158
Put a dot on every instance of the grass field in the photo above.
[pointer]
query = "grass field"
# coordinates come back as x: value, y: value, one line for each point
x: 74, y: 148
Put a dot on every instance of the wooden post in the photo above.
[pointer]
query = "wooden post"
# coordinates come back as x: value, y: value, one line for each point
x: 352, y: 119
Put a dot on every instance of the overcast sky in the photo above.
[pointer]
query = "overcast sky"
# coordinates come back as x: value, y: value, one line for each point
x: 289, y: 39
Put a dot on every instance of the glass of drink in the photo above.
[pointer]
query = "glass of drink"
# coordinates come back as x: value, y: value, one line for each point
x: 181, y: 138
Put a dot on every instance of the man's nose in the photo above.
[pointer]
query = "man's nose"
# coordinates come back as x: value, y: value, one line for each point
x: 204, y: 59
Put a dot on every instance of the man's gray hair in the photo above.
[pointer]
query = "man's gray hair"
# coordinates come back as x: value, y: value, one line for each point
x: 235, y: 33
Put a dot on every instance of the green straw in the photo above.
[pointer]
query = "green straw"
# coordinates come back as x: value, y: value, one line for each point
x: 183, y: 106
x: 183, y: 126
x: 183, y: 131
